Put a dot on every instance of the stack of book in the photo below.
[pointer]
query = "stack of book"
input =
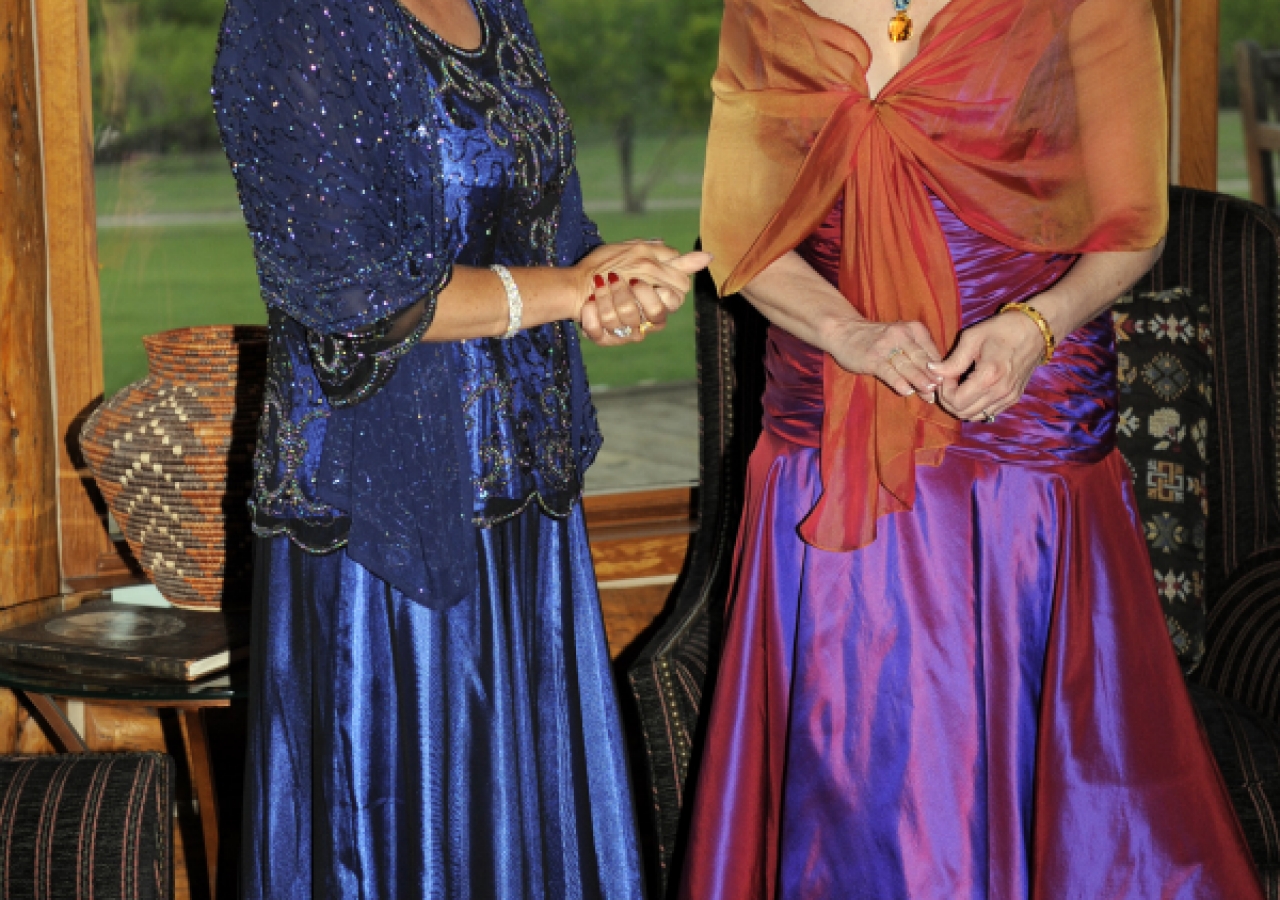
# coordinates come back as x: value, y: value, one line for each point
x: 134, y: 633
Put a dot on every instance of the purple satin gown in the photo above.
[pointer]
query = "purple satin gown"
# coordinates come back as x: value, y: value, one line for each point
x: 981, y: 704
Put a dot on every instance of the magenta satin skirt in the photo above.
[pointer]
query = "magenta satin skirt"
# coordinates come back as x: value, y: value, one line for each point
x: 984, y: 702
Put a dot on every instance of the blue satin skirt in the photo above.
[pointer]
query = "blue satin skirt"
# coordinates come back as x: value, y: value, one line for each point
x: 398, y: 752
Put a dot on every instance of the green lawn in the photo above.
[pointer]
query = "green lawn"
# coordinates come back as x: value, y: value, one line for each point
x: 153, y: 278
x: 1233, y: 177
x: 681, y: 176
x: 166, y: 183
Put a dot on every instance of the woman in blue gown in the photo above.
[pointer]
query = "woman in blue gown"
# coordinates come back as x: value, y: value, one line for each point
x: 432, y: 712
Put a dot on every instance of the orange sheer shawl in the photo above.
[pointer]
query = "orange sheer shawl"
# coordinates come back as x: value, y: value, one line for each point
x: 1040, y: 123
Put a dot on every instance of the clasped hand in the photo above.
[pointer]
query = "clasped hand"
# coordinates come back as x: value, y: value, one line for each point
x: 985, y: 373
x: 630, y: 289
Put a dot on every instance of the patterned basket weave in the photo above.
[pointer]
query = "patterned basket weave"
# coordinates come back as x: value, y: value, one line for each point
x: 87, y: 825
x: 173, y: 457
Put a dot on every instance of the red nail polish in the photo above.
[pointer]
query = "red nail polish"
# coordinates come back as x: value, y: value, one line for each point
x: 613, y: 278
x: 599, y: 280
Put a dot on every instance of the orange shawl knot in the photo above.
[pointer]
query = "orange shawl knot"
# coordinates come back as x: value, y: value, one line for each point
x: 1040, y: 123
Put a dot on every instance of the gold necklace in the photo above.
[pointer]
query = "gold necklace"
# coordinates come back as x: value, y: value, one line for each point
x: 900, y: 24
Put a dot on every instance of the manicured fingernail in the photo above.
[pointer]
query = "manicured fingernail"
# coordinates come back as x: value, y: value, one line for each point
x: 599, y: 279
x: 929, y: 398
x: 933, y: 366
x: 613, y: 278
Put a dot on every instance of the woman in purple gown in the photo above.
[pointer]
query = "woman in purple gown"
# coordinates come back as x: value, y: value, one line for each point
x: 974, y: 696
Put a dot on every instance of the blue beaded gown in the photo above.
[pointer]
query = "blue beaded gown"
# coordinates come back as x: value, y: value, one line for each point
x: 472, y: 751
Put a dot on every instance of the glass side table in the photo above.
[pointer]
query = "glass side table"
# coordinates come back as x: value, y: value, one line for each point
x: 41, y: 688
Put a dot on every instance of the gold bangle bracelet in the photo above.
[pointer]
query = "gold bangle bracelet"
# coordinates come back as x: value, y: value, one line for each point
x: 1050, y: 343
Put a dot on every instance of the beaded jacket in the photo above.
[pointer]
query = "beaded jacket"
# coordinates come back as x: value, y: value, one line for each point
x: 367, y: 168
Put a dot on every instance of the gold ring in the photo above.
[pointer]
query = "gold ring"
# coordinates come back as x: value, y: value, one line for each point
x: 895, y: 351
x: 646, y: 326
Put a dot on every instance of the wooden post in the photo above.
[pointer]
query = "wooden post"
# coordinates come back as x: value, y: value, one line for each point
x: 1194, y: 160
x: 1166, y: 20
x: 67, y: 113
x: 28, y: 490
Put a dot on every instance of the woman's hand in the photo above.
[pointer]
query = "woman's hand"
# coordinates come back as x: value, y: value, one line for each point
x: 643, y: 284
x: 990, y: 366
x: 897, y: 353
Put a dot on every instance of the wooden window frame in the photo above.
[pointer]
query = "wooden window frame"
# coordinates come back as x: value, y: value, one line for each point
x: 1189, y: 33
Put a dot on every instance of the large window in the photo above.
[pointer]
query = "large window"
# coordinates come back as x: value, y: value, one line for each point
x: 172, y: 247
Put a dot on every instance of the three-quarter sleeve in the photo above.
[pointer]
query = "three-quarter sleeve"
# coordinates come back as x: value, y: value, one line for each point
x: 329, y: 137
x: 353, y: 365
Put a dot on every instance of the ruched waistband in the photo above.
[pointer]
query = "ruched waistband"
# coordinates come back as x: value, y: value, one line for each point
x: 1067, y: 414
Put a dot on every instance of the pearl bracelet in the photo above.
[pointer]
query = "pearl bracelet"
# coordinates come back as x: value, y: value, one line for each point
x: 515, y: 304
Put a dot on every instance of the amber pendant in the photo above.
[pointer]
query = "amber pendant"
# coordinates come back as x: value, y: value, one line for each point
x: 900, y: 28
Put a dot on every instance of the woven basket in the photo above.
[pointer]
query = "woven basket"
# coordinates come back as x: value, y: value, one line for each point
x: 173, y: 457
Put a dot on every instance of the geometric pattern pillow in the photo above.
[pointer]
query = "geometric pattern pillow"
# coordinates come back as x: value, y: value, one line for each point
x: 1165, y: 367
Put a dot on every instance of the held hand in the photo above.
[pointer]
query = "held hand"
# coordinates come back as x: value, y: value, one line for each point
x: 625, y: 307
x: 897, y: 353
x: 990, y: 366
x: 642, y: 260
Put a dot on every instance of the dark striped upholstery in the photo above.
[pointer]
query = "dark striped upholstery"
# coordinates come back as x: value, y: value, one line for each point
x: 1243, y: 660
x: 1238, y: 698
x: 1247, y: 748
x: 1227, y: 253
x: 82, y: 826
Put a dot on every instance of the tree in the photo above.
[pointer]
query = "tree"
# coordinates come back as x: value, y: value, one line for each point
x: 631, y: 65
x: 151, y: 62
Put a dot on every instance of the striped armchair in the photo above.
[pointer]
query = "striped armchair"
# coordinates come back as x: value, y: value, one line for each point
x: 87, y: 825
x: 1222, y: 251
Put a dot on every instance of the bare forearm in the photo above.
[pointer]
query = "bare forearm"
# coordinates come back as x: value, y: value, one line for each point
x: 474, y: 304
x: 991, y: 364
x: 791, y: 295
x: 1092, y: 285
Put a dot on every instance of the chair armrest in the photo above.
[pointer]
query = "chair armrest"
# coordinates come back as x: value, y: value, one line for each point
x: 91, y: 824
x: 1242, y: 643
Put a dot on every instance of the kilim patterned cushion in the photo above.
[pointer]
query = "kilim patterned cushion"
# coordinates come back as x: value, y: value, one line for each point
x: 86, y: 825
x: 1165, y: 357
